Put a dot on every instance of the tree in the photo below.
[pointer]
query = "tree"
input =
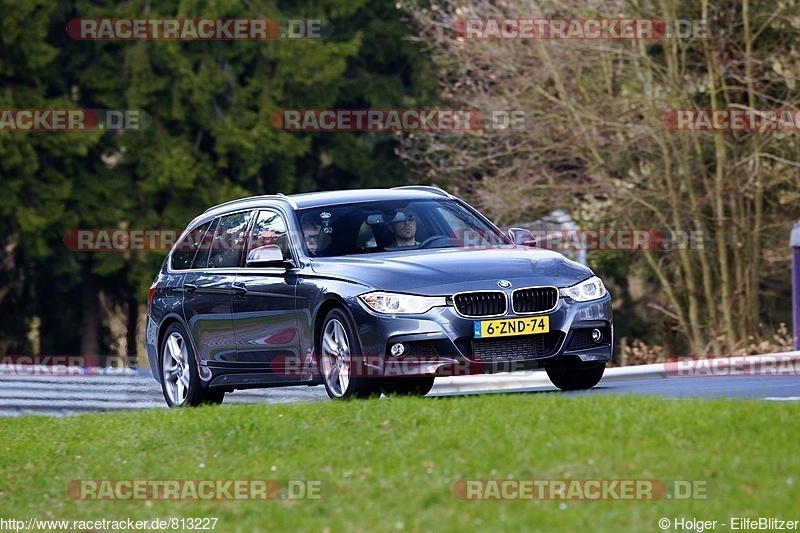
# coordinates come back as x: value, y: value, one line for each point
x: 597, y: 142
x: 209, y: 139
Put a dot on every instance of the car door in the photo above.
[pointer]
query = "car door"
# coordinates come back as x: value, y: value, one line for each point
x: 264, y: 309
x: 208, y: 289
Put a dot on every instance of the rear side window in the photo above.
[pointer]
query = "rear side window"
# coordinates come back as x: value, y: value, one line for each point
x: 201, y: 259
x: 185, y: 250
x: 228, y: 244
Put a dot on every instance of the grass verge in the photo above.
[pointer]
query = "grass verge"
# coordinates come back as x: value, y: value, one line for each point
x: 392, y: 464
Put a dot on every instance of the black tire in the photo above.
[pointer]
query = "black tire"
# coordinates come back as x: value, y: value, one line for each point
x: 339, y: 350
x: 579, y: 376
x: 407, y: 386
x: 180, y: 381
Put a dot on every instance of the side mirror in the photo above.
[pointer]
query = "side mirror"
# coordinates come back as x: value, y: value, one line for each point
x: 522, y: 237
x: 269, y: 255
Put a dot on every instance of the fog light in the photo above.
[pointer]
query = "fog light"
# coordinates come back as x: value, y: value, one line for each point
x: 398, y: 349
x: 597, y: 335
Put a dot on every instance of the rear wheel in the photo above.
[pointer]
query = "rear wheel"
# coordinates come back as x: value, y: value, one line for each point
x: 343, y: 372
x: 408, y: 386
x: 180, y: 381
x: 577, y: 376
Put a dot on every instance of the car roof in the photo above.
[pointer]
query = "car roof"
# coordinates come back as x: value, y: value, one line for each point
x: 325, y: 198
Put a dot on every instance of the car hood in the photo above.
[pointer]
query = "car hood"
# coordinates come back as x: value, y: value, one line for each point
x: 447, y: 271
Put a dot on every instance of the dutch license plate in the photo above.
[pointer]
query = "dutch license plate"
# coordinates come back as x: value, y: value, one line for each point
x: 507, y: 327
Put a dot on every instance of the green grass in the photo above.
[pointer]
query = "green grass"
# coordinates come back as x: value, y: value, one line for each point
x: 391, y: 464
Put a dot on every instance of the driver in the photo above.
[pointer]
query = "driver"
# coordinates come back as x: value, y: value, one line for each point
x: 404, y: 228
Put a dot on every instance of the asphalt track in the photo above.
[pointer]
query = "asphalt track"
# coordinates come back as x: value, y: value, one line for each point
x: 121, y: 390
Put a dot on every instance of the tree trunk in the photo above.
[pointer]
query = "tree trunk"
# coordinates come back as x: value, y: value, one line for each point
x: 132, y: 335
x: 90, y: 314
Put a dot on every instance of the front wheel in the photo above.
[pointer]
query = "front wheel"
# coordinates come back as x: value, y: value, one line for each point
x: 340, y: 359
x: 579, y: 376
x: 180, y: 381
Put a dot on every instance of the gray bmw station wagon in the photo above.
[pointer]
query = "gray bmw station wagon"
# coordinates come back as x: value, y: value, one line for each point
x: 366, y: 291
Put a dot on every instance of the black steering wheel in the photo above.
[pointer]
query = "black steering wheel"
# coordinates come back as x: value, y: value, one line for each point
x: 432, y: 239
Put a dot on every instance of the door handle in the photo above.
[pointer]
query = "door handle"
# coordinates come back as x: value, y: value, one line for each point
x: 239, y: 288
x: 189, y: 287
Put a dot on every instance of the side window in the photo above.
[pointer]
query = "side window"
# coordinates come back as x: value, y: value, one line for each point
x: 201, y: 259
x: 270, y: 228
x: 226, y: 249
x: 186, y: 249
x: 461, y: 227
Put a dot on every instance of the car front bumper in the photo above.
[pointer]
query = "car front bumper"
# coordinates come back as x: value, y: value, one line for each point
x: 441, y: 342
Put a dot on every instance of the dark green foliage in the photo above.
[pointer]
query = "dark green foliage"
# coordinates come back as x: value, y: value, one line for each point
x: 210, y: 139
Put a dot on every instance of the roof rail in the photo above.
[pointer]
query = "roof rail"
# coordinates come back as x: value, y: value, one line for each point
x: 279, y: 196
x: 288, y: 199
x: 426, y: 188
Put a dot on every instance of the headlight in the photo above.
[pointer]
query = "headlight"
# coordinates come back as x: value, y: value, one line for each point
x: 398, y: 304
x: 585, y: 291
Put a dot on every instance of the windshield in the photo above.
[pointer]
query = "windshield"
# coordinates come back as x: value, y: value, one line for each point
x: 387, y: 226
